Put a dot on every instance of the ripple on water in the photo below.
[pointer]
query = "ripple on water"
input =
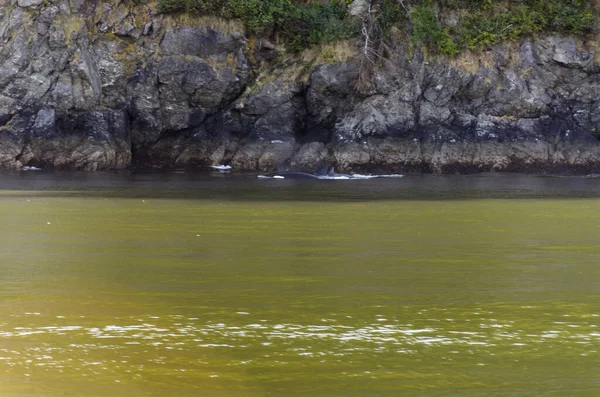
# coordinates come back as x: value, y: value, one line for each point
x: 78, y: 346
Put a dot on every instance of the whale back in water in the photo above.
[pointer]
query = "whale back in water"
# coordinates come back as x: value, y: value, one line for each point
x: 325, y: 172
x: 292, y: 175
x: 328, y: 172
x: 321, y: 173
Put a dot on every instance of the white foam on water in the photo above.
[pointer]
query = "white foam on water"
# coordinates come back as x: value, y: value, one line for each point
x: 463, y: 333
x: 433, y: 340
x: 416, y: 331
x: 368, y: 176
x: 25, y: 333
x: 221, y: 167
x: 336, y: 178
x: 69, y: 328
x: 340, y: 177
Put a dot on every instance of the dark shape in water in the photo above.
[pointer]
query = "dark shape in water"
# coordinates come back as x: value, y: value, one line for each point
x: 325, y: 172
x: 293, y: 175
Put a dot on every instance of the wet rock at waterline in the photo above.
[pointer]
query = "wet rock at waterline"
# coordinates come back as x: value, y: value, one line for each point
x: 103, y: 86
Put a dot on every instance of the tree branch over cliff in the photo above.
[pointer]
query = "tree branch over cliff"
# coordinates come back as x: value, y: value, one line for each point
x: 378, y: 17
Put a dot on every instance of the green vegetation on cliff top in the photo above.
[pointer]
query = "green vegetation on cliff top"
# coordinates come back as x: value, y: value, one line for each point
x: 444, y: 26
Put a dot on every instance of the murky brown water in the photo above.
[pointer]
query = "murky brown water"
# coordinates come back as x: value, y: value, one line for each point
x: 199, y: 285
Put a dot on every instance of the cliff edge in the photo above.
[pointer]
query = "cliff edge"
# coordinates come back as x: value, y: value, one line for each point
x: 108, y: 85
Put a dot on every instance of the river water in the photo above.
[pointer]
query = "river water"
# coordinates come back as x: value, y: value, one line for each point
x: 228, y: 285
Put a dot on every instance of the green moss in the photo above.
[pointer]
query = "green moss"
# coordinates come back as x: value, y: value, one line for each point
x: 427, y: 29
x: 302, y: 24
x: 489, y: 23
x: 531, y: 17
x: 317, y: 24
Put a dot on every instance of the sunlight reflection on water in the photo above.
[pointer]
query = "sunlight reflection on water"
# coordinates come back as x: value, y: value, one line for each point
x: 178, y: 333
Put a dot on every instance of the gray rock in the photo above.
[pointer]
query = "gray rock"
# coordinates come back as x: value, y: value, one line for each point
x: 377, y: 116
x: 309, y: 157
x: 442, y: 84
x: 429, y: 114
x: 358, y: 8
x: 45, y: 122
x: 10, y: 150
x: 148, y: 28
x: 199, y: 42
x: 198, y: 76
x: 29, y: 3
x: 140, y: 84
x: 278, y: 123
x: 351, y: 156
x: 268, y: 96
x: 263, y: 156
x: 565, y: 53
x: 331, y: 92
x: 93, y: 141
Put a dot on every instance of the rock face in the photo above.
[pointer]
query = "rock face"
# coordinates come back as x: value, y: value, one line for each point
x: 110, y: 85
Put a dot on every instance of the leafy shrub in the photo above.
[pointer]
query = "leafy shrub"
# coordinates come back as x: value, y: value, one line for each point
x: 533, y: 16
x: 303, y: 23
x: 427, y: 30
x: 260, y: 15
x: 391, y: 14
x: 205, y: 6
x: 318, y: 23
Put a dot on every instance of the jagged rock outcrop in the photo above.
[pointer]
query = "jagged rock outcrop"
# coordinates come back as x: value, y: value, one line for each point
x: 96, y: 85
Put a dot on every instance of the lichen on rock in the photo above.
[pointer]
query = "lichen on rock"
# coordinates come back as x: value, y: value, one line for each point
x: 112, y: 85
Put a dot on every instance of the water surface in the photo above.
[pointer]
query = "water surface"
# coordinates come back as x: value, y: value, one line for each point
x: 226, y: 285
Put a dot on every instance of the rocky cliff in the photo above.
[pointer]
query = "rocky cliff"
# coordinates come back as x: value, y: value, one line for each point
x: 103, y: 85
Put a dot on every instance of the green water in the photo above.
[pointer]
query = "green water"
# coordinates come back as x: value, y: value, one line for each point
x: 154, y: 290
